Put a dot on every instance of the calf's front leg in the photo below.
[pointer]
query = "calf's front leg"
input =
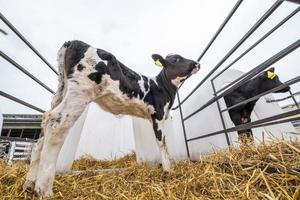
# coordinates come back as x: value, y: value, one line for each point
x: 161, y: 142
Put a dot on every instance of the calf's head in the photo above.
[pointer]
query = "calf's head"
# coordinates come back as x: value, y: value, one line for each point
x: 271, y: 80
x: 177, y: 68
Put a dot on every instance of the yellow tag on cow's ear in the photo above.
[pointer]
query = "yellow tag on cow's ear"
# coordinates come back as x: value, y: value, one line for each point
x: 158, y: 63
x: 271, y: 75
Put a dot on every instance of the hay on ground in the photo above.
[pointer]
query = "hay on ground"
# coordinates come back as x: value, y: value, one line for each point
x: 263, y: 172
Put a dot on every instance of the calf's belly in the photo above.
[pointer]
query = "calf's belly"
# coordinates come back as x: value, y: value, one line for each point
x: 118, y: 105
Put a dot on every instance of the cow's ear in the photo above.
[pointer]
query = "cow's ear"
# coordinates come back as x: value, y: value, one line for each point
x: 271, y: 73
x: 159, y: 60
x: 272, y: 69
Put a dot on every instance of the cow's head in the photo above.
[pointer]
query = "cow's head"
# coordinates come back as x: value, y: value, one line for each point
x: 177, y: 68
x: 271, y: 80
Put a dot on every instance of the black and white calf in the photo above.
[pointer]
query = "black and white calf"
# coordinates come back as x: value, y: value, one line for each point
x: 241, y: 115
x: 88, y: 74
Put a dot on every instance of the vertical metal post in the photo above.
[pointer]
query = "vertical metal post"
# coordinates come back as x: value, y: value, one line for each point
x: 183, y: 127
x: 294, y: 99
x: 8, y: 134
x: 35, y: 132
x: 220, y: 112
x: 11, y: 152
x: 21, y: 135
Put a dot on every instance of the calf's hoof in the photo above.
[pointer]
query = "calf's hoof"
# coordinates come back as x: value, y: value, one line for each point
x: 166, y: 167
x: 43, y: 193
x: 28, y: 186
x: 165, y: 176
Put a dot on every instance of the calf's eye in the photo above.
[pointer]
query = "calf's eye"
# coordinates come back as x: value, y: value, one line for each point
x: 174, y: 60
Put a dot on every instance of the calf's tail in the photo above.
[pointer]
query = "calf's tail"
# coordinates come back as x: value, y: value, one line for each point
x: 62, y: 77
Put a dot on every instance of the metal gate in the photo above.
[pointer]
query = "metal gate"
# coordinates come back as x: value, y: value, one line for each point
x: 220, y: 93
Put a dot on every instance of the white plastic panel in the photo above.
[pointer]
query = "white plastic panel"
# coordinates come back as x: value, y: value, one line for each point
x: 105, y: 136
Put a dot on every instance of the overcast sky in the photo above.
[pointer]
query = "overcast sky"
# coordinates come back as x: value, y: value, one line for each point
x: 133, y: 30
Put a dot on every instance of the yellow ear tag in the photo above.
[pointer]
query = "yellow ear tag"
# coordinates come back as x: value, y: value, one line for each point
x: 271, y: 75
x: 158, y: 63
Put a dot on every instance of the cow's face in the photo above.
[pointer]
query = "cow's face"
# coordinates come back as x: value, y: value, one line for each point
x: 271, y: 80
x: 177, y: 68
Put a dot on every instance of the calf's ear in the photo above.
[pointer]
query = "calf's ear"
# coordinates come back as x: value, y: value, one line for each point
x: 159, y: 60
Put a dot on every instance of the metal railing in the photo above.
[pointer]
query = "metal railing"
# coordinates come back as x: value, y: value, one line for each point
x: 292, y: 95
x: 220, y: 93
x: 22, y: 69
x: 26, y: 42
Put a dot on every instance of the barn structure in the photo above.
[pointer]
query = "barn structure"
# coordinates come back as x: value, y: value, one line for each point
x: 199, y: 121
x: 21, y: 126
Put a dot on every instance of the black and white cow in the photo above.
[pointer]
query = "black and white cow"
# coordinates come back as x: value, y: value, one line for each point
x: 88, y: 74
x: 241, y: 114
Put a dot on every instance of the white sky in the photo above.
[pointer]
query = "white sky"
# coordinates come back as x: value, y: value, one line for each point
x: 133, y: 30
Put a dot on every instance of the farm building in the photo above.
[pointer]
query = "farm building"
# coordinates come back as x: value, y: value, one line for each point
x: 21, y: 126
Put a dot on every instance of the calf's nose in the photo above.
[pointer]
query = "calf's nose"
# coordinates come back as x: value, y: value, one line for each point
x: 197, y: 65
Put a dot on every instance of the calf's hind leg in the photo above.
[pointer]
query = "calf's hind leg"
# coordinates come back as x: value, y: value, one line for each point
x: 56, y: 125
x: 35, y: 157
x: 33, y: 168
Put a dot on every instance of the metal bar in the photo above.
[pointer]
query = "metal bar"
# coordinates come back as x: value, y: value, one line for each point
x: 238, y: 3
x: 11, y: 61
x: 8, y: 134
x: 290, y: 82
x: 183, y: 128
x: 253, y: 71
x: 277, y: 122
x: 282, y: 99
x: 247, y: 76
x: 257, y: 124
x: 22, y: 133
x: 16, y: 139
x: 20, y: 101
x: 294, y: 99
x: 35, y: 132
x: 216, y: 34
x: 244, y: 38
x: 221, y: 114
x: 26, y: 42
x: 259, y: 41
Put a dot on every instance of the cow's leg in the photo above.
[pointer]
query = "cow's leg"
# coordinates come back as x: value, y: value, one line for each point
x: 246, y: 136
x: 161, y: 142
x: 248, y: 132
x: 56, y: 125
x: 238, y: 119
x: 35, y: 157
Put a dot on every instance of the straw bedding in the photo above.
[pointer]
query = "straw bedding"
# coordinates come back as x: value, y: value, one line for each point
x: 264, y: 172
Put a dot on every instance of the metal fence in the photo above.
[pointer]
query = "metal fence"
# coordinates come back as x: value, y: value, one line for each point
x: 220, y: 93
